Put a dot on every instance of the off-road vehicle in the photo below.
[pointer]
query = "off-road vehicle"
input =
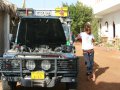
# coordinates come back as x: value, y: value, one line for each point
x: 39, y: 56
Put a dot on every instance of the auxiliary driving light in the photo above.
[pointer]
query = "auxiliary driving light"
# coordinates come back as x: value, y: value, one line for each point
x: 46, y: 65
x: 30, y: 65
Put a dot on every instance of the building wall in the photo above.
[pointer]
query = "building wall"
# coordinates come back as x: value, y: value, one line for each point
x: 105, y: 6
x: 110, y: 19
x: 108, y: 13
x: 101, y: 7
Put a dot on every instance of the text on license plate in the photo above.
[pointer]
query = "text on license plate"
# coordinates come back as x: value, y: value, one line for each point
x: 37, y: 75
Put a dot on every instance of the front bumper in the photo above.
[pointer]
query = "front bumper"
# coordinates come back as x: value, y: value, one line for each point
x: 61, y: 71
x: 47, y: 82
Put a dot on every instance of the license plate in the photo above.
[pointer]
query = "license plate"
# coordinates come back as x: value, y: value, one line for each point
x: 38, y: 75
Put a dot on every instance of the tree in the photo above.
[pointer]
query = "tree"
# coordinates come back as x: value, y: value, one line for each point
x: 80, y: 14
x: 95, y: 29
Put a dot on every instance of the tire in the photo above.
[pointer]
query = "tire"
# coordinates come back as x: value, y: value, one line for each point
x: 71, y: 86
x: 8, y: 85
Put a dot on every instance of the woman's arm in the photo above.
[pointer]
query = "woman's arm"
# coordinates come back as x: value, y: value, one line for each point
x: 93, y: 39
x: 78, y: 38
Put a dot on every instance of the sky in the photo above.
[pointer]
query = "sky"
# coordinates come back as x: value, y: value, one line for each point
x: 42, y: 4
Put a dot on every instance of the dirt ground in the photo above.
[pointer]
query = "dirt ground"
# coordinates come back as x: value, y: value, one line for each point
x: 106, y: 68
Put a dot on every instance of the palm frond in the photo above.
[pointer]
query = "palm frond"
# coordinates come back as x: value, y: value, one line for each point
x: 7, y: 7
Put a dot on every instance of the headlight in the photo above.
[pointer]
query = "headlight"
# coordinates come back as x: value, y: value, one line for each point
x: 15, y: 63
x: 30, y: 65
x: 46, y: 65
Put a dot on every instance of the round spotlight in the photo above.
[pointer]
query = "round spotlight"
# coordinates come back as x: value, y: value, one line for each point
x: 46, y: 65
x: 30, y: 65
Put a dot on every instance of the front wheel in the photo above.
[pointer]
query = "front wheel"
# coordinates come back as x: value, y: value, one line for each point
x: 7, y: 85
x: 71, y: 86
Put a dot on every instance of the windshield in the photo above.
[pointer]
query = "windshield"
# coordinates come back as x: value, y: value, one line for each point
x: 36, y: 31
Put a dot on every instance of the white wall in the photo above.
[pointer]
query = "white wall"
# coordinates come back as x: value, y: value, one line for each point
x: 110, y: 18
x: 105, y: 4
x: 102, y: 7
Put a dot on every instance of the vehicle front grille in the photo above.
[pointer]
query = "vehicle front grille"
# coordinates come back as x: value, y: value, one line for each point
x: 66, y: 65
x: 8, y: 65
x: 38, y: 65
x: 57, y: 65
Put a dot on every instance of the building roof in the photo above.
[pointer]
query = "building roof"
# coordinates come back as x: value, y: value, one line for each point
x: 7, y: 7
x: 104, y: 7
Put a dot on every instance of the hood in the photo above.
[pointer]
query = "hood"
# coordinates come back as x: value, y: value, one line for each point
x: 40, y: 31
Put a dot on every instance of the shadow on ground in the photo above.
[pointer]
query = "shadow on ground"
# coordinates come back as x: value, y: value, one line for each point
x: 84, y: 84
x: 97, y: 69
x: 58, y: 87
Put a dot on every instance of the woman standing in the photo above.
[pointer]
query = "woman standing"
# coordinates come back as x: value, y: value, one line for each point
x: 87, y: 40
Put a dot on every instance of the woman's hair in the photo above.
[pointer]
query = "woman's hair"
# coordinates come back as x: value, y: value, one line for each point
x: 87, y: 25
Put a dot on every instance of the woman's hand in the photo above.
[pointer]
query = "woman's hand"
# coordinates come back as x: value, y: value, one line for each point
x: 93, y: 40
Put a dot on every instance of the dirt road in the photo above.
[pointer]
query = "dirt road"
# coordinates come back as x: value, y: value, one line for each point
x: 107, y: 71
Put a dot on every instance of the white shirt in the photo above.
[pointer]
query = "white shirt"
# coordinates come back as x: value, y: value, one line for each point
x: 87, y: 42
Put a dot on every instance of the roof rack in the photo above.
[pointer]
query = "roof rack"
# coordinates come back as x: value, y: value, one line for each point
x: 32, y: 12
